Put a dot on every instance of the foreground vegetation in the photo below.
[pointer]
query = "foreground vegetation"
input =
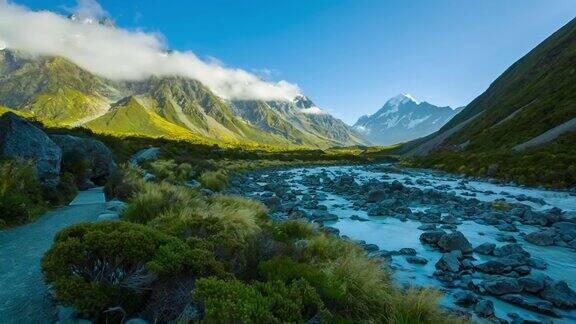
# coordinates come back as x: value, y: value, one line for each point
x: 23, y: 198
x: 178, y: 255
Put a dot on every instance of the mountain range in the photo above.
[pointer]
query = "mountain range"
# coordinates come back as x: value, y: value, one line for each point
x: 403, y: 118
x: 56, y: 90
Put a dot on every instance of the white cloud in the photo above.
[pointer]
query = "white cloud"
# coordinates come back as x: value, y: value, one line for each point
x: 313, y: 111
x: 122, y: 54
x: 89, y: 8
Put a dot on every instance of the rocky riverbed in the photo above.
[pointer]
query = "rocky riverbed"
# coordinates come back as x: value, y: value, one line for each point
x: 499, y: 252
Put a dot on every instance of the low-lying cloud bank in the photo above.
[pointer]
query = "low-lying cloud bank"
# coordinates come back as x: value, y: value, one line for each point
x: 121, y: 54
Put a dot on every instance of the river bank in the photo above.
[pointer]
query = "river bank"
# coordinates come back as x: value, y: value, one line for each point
x: 491, y: 247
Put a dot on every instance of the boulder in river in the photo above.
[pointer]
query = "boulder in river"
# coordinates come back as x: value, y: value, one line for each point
x: 484, y: 308
x: 539, y: 306
x: 485, y: 248
x: 454, y: 241
x: 432, y: 237
x: 416, y: 259
x: 532, y: 284
x: 449, y: 262
x: 493, y: 267
x: 501, y: 286
x: 21, y: 139
x: 508, y: 249
x: 465, y: 298
x: 375, y: 196
x: 560, y: 294
x: 543, y: 238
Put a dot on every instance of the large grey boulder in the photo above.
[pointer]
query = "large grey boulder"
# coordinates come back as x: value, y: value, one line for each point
x: 21, y: 139
x: 144, y: 155
x: 455, y: 241
x: 560, y: 294
x: 502, y: 286
x: 543, y: 238
x: 98, y: 155
x: 449, y: 262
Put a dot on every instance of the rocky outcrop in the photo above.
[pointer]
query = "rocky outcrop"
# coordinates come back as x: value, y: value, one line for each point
x: 99, y: 157
x: 21, y: 139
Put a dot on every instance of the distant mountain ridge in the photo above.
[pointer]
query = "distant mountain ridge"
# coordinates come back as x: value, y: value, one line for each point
x: 403, y: 118
x: 55, y: 89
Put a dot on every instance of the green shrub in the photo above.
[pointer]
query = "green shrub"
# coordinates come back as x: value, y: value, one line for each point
x: 214, y: 180
x: 271, y: 302
x: 292, y: 230
x: 287, y: 270
x: 96, y: 266
x: 21, y: 194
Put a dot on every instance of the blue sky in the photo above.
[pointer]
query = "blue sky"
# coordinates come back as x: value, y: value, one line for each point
x: 351, y: 56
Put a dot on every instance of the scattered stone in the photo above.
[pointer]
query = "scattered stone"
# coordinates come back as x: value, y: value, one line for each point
x: 375, y: 196
x: 432, y: 237
x: 455, y: 241
x: 532, y: 285
x: 407, y: 251
x: 543, y: 238
x: 465, y: 298
x: 416, y: 259
x: 485, y: 248
x: 449, y: 262
x: 144, y: 155
x: 493, y: 267
x: 501, y: 286
x: 559, y: 294
x: 427, y: 227
x: 539, y: 306
x: 509, y: 249
x: 358, y: 218
x: 484, y: 308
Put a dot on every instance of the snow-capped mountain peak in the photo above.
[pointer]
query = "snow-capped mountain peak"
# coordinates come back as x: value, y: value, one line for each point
x: 403, y: 118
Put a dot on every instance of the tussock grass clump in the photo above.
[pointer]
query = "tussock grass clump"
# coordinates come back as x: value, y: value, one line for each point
x: 293, y: 230
x: 214, y: 180
x: 170, y: 171
x: 155, y: 199
x: 369, y: 294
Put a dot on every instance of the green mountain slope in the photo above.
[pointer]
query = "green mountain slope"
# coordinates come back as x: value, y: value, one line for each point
x: 534, y: 95
x: 522, y: 128
x: 51, y: 88
x: 131, y: 117
x: 56, y: 90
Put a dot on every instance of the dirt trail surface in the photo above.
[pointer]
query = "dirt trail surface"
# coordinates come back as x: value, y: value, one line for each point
x: 24, y: 297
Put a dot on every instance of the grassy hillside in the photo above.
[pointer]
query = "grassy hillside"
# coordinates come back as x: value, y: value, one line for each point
x: 130, y: 118
x: 535, y: 94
